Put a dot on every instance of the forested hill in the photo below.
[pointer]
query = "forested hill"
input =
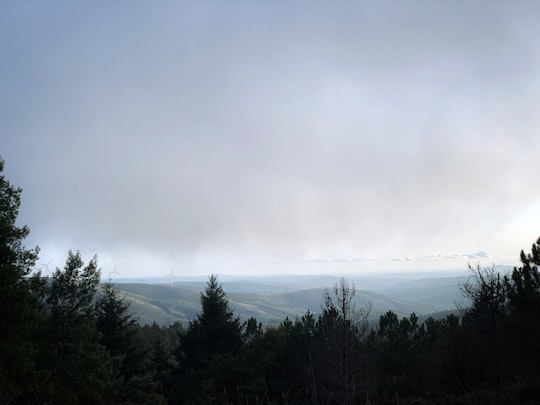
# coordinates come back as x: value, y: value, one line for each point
x: 180, y: 301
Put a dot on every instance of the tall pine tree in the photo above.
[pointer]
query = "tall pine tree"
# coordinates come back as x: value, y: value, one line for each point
x: 208, y: 349
x: 18, y: 310
x: 80, y: 367
x: 523, y: 288
x: 121, y: 335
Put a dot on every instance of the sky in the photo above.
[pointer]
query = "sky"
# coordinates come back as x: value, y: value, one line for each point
x: 251, y: 137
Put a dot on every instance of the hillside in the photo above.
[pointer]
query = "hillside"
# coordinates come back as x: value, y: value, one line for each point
x: 167, y: 303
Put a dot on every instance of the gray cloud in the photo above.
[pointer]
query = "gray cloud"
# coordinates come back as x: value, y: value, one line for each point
x: 287, y: 131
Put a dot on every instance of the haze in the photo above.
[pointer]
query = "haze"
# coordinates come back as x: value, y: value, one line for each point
x: 273, y: 137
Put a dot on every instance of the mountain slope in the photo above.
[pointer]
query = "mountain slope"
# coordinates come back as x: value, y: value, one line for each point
x: 165, y: 304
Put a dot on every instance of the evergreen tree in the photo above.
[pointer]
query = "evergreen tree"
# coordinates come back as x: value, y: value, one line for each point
x: 216, y: 329
x: 117, y: 328
x: 523, y: 288
x: 398, y: 355
x: 275, y: 362
x: 79, y: 366
x: 162, y: 362
x: 208, y: 349
x: 18, y: 310
x: 121, y: 335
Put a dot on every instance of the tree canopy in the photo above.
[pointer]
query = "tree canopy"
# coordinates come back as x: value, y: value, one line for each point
x: 19, y: 317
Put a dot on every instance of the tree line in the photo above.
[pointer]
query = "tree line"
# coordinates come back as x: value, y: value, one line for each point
x: 66, y: 338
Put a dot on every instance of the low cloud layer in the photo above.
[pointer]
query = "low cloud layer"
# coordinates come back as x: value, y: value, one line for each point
x: 199, y: 135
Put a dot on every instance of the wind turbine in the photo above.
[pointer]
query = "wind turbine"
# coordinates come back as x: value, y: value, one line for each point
x: 172, y: 277
x: 114, y: 273
x: 46, y: 265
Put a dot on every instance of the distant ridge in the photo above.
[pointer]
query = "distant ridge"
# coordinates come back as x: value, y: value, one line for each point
x: 271, y: 300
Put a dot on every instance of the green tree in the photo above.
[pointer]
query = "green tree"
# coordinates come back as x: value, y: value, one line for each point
x: 216, y: 329
x: 338, y: 335
x: 399, y: 355
x: 162, y: 362
x: 523, y: 287
x: 275, y: 362
x: 485, y: 320
x: 121, y: 335
x: 19, y: 316
x: 209, y: 348
x: 79, y: 366
x: 114, y: 322
x: 251, y: 330
x: 298, y: 358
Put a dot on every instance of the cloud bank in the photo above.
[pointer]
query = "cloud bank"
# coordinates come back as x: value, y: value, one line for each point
x: 200, y: 135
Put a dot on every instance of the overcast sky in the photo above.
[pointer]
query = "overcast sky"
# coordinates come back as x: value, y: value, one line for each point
x: 244, y: 136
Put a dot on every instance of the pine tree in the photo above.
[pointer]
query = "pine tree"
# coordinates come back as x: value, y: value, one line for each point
x: 163, y: 363
x: 18, y: 310
x: 116, y: 326
x: 121, y: 335
x: 216, y: 329
x: 208, y: 349
x: 523, y: 288
x: 80, y: 367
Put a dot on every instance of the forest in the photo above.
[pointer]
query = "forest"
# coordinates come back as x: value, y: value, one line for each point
x: 67, y: 338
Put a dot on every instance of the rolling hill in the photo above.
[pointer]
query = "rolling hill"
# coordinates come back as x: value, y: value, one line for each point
x: 271, y: 301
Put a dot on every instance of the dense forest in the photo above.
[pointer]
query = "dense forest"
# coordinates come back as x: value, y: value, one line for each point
x: 65, y: 338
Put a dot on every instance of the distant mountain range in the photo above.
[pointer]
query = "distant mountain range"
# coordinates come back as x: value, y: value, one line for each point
x: 271, y: 299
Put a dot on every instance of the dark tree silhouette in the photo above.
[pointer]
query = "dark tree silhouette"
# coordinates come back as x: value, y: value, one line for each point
x: 523, y: 287
x: 208, y: 349
x: 337, y: 342
x: 122, y: 337
x: 80, y: 367
x: 485, y: 319
x: 18, y: 309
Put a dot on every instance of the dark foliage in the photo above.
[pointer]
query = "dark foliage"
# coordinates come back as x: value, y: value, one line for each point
x: 209, y: 349
x: 19, y: 315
